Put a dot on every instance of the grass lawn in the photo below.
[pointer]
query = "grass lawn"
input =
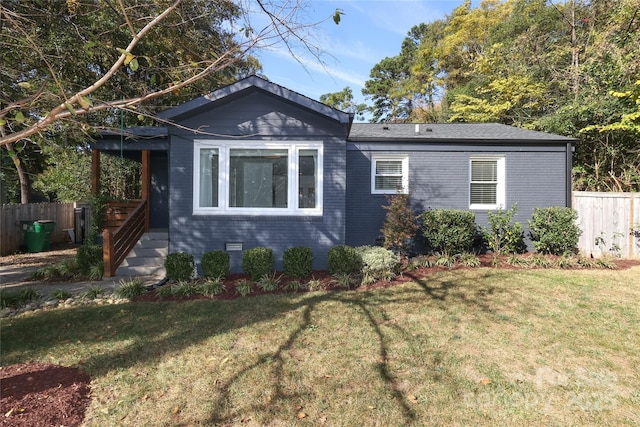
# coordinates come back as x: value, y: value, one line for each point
x: 467, y: 347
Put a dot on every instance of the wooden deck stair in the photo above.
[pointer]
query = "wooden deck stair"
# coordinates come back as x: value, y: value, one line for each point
x: 147, y: 256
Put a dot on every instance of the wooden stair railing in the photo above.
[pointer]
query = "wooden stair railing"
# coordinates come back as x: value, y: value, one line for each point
x: 123, y: 230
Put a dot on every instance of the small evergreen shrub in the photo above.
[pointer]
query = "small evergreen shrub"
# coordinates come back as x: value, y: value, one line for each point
x: 215, y: 264
x: 502, y: 236
x: 18, y: 298
x: 92, y: 292
x: 449, y: 231
x: 257, y: 262
x: 343, y: 259
x: 129, y: 289
x: 554, y: 230
x: 212, y: 287
x: 400, y: 225
x: 179, y: 266
x: 269, y: 283
x: 61, y: 294
x: 297, y: 261
x: 88, y: 255
x: 294, y: 286
x: 185, y: 289
x: 244, y: 287
x: 378, y: 263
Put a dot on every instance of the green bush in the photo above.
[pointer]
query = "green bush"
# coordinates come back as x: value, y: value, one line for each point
x: 378, y: 263
x: 297, y: 261
x: 88, y: 256
x: 17, y: 298
x: 449, y: 231
x: 215, y: 264
x: 129, y: 289
x: 400, y: 226
x: 553, y: 230
x: 502, y: 236
x: 257, y: 262
x: 343, y: 259
x: 179, y: 266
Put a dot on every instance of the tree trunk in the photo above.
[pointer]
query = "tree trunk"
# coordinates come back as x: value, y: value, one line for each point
x: 23, y: 176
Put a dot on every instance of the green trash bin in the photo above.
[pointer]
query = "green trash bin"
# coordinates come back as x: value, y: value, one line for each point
x: 35, y: 237
x: 48, y: 227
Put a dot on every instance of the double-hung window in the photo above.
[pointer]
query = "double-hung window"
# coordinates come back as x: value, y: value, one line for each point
x: 389, y: 174
x: 487, y: 183
x: 257, y: 178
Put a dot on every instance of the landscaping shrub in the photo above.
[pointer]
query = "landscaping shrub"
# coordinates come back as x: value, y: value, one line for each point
x: 212, y: 287
x: 343, y: 259
x: 554, y: 230
x: 502, y: 236
x: 399, y: 225
x: 88, y: 256
x: 17, y: 298
x: 297, y: 261
x: 215, y: 264
x: 257, y: 262
x: 378, y: 263
x: 269, y: 283
x: 179, y: 266
x: 449, y: 231
x: 129, y: 289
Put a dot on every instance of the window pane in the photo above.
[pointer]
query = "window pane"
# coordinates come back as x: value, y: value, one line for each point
x: 307, y: 170
x: 483, y: 194
x: 484, y: 170
x: 258, y: 178
x: 209, y: 177
x: 388, y: 183
x: 389, y: 167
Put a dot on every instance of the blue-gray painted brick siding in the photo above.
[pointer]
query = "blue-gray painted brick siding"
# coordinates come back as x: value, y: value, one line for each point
x: 535, y: 177
x: 276, y: 120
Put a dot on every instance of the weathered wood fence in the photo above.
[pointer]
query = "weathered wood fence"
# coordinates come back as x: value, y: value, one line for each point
x: 11, y: 215
x: 610, y: 223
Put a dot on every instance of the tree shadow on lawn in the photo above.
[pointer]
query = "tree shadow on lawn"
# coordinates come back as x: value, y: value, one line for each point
x: 131, y: 333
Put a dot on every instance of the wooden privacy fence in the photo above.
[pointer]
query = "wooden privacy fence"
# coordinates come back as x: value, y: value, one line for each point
x: 11, y: 215
x: 610, y: 223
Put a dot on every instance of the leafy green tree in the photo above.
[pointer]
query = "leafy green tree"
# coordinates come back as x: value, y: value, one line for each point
x: 393, y: 95
x: 344, y: 101
x: 66, y: 66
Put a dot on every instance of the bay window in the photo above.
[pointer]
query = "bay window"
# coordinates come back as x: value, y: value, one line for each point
x: 257, y: 178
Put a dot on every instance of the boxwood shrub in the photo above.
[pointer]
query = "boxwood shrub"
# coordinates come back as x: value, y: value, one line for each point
x: 449, y: 231
x: 553, y: 230
x: 179, y: 266
x: 215, y: 264
x: 343, y: 259
x: 257, y: 262
x: 297, y: 261
x: 378, y: 263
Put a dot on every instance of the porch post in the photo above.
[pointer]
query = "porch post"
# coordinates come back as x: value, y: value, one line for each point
x: 146, y: 184
x: 95, y: 172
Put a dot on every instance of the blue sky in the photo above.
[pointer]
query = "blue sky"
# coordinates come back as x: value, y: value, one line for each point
x: 369, y: 31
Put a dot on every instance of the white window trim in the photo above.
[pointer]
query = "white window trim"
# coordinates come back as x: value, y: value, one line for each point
x: 405, y: 173
x: 500, y: 188
x: 224, y: 148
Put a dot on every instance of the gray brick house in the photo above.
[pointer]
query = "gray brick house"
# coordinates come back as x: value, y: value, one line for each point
x: 255, y: 164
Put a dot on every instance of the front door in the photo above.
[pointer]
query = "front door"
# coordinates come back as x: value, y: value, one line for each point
x: 159, y: 192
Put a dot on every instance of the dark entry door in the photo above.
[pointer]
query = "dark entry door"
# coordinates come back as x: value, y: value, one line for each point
x: 159, y: 197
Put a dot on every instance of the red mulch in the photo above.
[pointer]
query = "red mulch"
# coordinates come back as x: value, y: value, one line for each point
x: 41, y: 394
x: 38, y: 394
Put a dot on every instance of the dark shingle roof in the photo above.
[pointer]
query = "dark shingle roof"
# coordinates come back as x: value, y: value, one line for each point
x: 245, y: 86
x: 448, y: 132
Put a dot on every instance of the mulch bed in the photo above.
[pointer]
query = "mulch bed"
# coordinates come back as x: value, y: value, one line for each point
x: 39, y: 394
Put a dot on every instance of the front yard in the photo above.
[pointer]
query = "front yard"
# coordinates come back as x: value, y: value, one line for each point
x: 483, y: 346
